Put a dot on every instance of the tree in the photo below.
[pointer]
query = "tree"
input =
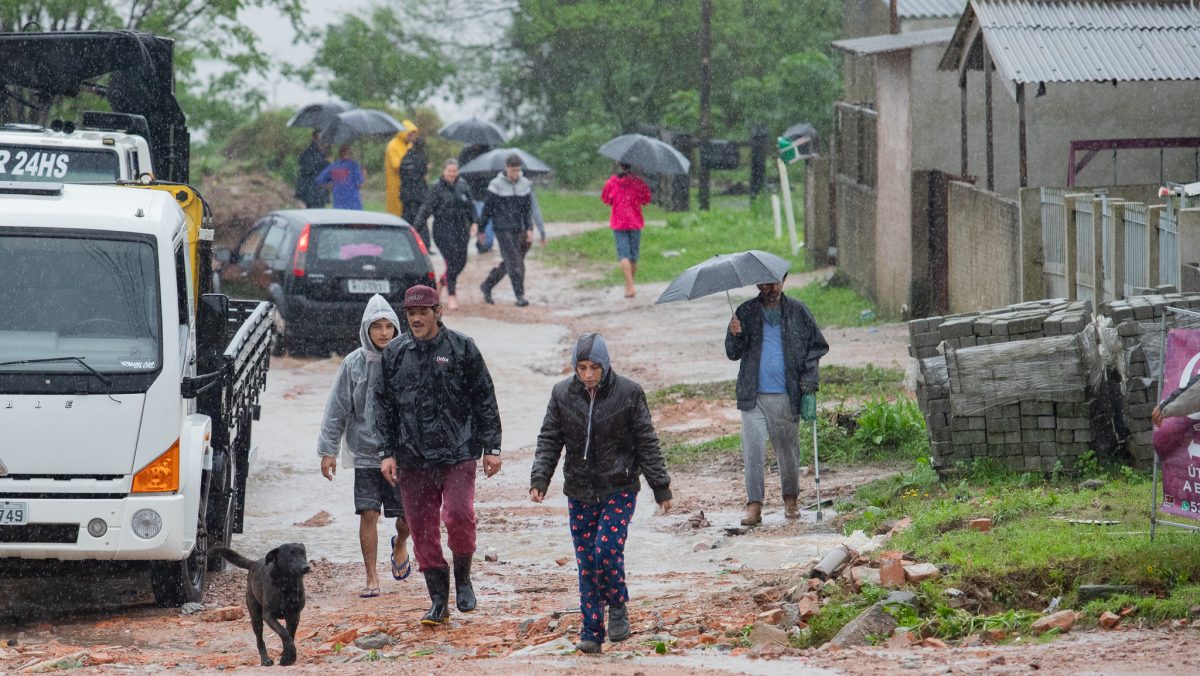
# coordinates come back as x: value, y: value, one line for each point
x: 380, y: 58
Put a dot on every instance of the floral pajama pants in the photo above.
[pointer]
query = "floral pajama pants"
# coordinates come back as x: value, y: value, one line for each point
x: 599, y: 531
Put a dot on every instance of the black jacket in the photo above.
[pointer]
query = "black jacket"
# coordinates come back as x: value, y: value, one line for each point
x: 478, y: 182
x: 413, y: 169
x: 312, y: 162
x: 803, y: 347
x: 508, y: 205
x: 621, y: 446
x: 434, y: 401
x: 450, y: 205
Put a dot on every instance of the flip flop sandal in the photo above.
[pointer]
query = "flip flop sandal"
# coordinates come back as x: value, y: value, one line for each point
x: 402, y: 570
x: 369, y: 592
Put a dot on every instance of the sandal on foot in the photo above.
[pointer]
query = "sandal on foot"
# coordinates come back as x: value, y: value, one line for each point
x: 368, y: 592
x: 400, y: 570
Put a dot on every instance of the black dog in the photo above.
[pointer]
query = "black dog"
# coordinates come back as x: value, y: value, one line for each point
x: 274, y: 591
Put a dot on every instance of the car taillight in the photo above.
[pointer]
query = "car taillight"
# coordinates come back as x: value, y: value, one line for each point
x: 301, y: 257
x: 421, y: 244
x: 432, y: 277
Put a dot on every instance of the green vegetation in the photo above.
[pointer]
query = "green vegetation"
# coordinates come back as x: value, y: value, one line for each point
x: 836, y: 305
x: 895, y: 423
x: 685, y: 453
x: 686, y: 240
x: 1034, y: 552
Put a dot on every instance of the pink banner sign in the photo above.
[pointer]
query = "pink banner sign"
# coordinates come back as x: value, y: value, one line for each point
x: 1177, y: 440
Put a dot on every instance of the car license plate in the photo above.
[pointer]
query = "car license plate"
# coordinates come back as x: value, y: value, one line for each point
x: 14, y: 514
x: 370, y: 286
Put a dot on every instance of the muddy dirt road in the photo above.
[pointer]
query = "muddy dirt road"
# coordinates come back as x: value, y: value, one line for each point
x: 689, y: 584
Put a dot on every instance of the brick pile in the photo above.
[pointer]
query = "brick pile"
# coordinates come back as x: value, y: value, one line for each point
x: 1010, y: 384
x: 1139, y: 322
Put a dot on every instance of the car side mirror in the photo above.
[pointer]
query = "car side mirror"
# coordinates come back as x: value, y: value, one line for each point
x: 225, y: 255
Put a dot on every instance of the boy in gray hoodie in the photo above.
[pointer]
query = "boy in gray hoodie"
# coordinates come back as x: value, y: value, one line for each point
x: 349, y: 415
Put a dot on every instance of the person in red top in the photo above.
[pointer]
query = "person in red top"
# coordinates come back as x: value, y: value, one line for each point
x: 626, y: 193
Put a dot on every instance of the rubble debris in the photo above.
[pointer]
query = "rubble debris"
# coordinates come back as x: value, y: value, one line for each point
x: 1110, y: 620
x: 981, y: 525
x: 891, y: 573
x: 698, y: 520
x: 919, y: 572
x: 1091, y: 592
x: 766, y: 634
x: 318, y: 520
x: 226, y: 614
x: 832, y: 563
x: 1063, y: 620
x: 874, y: 621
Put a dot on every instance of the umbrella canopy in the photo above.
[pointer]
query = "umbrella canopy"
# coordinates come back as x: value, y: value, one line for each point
x: 798, y: 130
x: 493, y: 161
x: 724, y: 272
x: 648, y: 154
x: 318, y: 115
x: 360, y: 122
x: 473, y: 131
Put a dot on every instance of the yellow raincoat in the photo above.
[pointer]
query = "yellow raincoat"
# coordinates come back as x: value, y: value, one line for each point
x: 397, y: 148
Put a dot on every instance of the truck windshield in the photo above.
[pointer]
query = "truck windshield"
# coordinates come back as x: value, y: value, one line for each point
x: 76, y: 296
x: 56, y: 163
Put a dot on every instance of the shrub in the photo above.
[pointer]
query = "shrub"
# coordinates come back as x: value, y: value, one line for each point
x: 891, y: 424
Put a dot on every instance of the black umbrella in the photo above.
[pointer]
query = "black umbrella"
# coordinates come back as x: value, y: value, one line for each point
x: 648, y: 154
x: 318, y: 115
x: 724, y: 272
x: 494, y: 160
x: 473, y: 131
x: 353, y: 124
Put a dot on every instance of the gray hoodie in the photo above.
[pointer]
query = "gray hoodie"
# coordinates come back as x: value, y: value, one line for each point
x: 350, y: 409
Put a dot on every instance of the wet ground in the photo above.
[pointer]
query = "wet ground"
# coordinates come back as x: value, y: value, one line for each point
x: 686, y: 582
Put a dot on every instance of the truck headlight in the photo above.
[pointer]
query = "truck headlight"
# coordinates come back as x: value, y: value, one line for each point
x: 146, y: 524
x: 97, y: 528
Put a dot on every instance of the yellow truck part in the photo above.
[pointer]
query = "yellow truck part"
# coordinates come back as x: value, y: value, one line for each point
x: 188, y: 199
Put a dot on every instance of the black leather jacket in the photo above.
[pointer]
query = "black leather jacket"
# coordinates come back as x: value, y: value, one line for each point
x: 609, y: 441
x: 803, y: 347
x: 434, y: 401
x: 450, y: 206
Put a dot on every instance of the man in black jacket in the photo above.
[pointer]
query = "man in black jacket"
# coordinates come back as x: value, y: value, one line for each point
x: 509, y: 205
x: 603, y: 421
x: 312, y: 162
x: 436, y: 414
x: 413, y: 169
x: 779, y: 345
x: 449, y: 202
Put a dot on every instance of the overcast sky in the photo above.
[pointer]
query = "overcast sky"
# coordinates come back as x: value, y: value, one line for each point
x: 279, y: 40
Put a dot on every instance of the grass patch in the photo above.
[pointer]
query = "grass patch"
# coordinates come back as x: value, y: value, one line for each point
x: 1032, y: 547
x: 722, y: 389
x: 839, y: 383
x: 688, y: 239
x: 836, y: 305
x: 686, y: 453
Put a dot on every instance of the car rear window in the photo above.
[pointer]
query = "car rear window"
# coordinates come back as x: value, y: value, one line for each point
x: 343, y: 243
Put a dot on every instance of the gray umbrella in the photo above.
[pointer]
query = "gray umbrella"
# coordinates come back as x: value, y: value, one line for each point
x: 318, y: 115
x: 493, y: 161
x: 724, y: 272
x: 648, y: 154
x: 473, y: 131
x: 360, y: 122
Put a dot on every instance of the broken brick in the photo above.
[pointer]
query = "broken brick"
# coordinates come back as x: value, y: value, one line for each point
x: 981, y: 525
x: 1063, y: 620
x: 1110, y: 620
x: 891, y: 573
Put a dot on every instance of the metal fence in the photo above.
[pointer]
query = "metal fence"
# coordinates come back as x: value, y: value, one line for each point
x: 1168, y: 247
x: 1085, y: 245
x: 1137, y: 248
x: 1108, y: 257
x: 1054, y: 243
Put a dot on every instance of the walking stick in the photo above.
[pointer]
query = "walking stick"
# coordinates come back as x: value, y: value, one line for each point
x: 817, y: 467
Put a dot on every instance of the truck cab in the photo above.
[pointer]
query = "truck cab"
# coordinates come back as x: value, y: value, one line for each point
x: 117, y: 445
x: 111, y: 148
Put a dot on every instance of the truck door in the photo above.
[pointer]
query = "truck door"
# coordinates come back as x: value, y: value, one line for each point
x: 236, y: 275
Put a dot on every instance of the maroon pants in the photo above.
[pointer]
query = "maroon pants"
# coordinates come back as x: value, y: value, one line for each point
x: 435, y: 496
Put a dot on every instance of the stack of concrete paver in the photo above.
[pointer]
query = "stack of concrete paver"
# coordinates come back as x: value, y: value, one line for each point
x: 1012, y: 384
x: 1139, y: 322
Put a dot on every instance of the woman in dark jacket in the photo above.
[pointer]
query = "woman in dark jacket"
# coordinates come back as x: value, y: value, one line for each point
x: 449, y: 202
x: 603, y: 421
x: 413, y: 187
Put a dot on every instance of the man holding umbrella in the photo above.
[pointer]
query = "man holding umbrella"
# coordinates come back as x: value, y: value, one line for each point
x: 779, y: 346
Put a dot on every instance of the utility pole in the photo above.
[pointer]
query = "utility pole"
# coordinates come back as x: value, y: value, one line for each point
x: 705, y: 95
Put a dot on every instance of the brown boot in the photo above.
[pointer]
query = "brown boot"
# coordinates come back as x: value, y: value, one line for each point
x: 753, y: 514
x: 791, y: 509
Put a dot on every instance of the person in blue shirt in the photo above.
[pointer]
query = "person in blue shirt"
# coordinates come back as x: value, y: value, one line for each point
x: 344, y: 177
x: 779, y: 346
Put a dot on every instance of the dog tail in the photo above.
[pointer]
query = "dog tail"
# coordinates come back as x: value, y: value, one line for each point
x: 232, y: 557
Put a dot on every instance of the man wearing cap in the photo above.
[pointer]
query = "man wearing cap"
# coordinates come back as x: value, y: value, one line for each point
x: 436, y: 414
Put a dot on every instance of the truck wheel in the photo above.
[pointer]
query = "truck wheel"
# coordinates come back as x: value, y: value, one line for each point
x: 178, y: 582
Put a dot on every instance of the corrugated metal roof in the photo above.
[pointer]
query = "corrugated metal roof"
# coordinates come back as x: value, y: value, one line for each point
x: 882, y: 44
x: 928, y: 9
x: 1083, y: 41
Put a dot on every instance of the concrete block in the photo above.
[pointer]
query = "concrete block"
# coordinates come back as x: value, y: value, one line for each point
x: 1064, y: 436
x: 976, y: 422
x: 930, y: 339
x: 1029, y: 422
x: 1047, y: 422
x: 957, y: 327
x: 1083, y: 436
x: 970, y: 437
x: 1013, y: 437
x: 1033, y: 464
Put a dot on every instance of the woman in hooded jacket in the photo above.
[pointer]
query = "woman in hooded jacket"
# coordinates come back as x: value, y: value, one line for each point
x: 603, y: 422
x: 349, y: 418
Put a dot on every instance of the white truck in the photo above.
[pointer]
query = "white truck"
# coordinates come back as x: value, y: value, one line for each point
x: 126, y: 391
x: 107, y: 148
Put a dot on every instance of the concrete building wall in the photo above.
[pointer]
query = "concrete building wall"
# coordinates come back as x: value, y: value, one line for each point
x: 855, y: 218
x: 984, y: 239
x: 1081, y: 112
x: 893, y: 204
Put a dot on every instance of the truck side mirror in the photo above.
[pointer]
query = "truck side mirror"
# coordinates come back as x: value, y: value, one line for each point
x: 225, y: 255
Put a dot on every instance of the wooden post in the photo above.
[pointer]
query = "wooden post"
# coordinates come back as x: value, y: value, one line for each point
x: 1118, y: 257
x: 1022, y: 159
x: 787, y: 205
x: 778, y: 218
x: 1072, y: 248
x: 705, y: 98
x: 987, y: 103
x: 1097, y: 253
x: 1153, y: 212
x: 962, y: 123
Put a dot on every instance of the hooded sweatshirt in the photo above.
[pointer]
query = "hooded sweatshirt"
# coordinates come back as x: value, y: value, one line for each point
x: 397, y: 148
x: 350, y: 410
x: 626, y: 194
x: 509, y: 204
